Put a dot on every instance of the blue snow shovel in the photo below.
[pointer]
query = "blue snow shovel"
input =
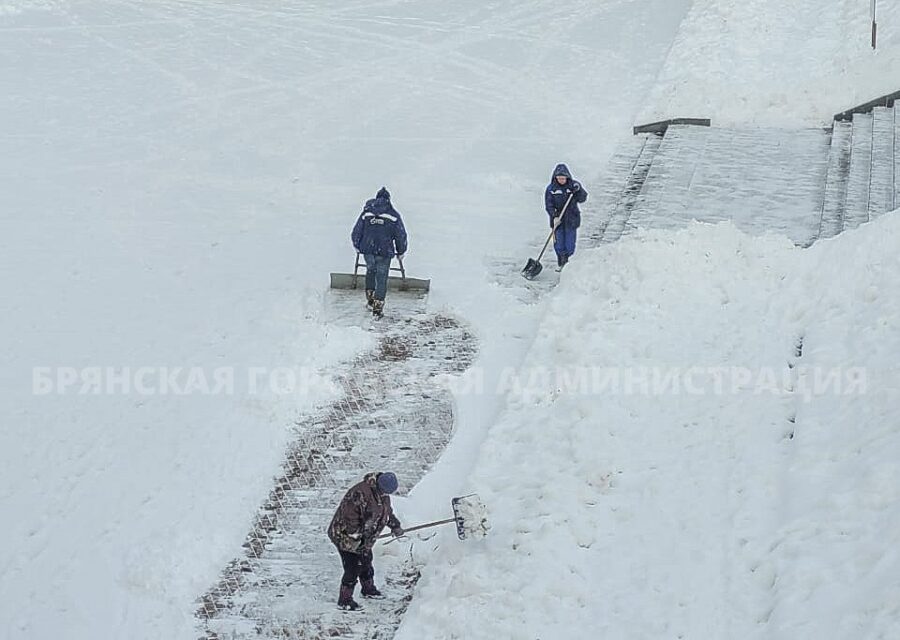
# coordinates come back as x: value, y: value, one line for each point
x: 534, y: 267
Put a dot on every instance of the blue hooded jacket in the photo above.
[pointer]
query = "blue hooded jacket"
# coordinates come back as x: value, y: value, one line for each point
x: 556, y: 194
x: 379, y: 229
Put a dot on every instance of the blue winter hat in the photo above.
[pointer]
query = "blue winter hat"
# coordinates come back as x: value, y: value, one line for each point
x: 387, y: 482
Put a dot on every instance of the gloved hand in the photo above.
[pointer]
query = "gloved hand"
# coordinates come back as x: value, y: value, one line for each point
x: 576, y: 187
x: 397, y: 532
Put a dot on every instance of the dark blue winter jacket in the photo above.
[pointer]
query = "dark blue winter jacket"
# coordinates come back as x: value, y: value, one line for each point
x: 556, y: 195
x: 379, y: 229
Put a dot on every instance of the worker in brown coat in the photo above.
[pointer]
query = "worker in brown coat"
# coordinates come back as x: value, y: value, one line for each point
x: 362, y: 514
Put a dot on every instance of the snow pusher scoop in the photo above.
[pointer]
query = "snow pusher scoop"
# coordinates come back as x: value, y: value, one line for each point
x: 533, y: 267
x: 469, y: 514
x: 357, y: 280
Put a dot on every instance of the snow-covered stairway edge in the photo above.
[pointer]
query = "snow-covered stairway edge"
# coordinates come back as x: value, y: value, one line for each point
x: 835, y: 199
x: 804, y: 183
x: 614, y: 226
x: 872, y: 181
x: 394, y: 413
x: 857, y: 209
x: 870, y: 186
x: 896, y: 158
x: 765, y: 180
x: 881, y: 177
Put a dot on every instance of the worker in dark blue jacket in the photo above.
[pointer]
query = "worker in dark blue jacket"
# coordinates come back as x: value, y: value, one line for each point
x: 566, y: 222
x: 379, y: 235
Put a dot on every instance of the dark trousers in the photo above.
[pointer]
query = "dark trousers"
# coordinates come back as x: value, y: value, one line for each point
x: 564, y: 240
x: 377, y: 270
x: 356, y: 565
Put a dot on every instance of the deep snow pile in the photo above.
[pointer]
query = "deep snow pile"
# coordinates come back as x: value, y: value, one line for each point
x: 777, y: 63
x: 696, y: 483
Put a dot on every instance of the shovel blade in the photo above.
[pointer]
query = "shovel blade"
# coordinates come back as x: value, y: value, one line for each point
x: 471, y: 517
x: 347, y: 281
x: 532, y: 269
x: 358, y: 281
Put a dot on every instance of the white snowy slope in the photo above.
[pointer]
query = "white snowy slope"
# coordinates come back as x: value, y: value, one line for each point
x: 778, y: 63
x: 727, y: 497
x: 178, y: 178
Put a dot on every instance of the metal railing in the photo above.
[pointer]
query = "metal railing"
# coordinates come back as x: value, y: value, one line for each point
x: 661, y: 126
x: 884, y: 101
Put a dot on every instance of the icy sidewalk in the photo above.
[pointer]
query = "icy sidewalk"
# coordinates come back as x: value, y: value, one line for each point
x: 393, y: 414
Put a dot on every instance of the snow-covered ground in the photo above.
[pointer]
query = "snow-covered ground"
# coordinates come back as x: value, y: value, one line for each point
x: 777, y: 63
x: 178, y: 179
x: 701, y: 443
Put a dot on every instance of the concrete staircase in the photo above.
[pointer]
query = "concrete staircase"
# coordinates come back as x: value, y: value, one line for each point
x: 806, y: 184
x: 863, y: 171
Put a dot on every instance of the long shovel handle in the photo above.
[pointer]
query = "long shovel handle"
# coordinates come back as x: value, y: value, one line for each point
x: 556, y: 226
x: 420, y: 526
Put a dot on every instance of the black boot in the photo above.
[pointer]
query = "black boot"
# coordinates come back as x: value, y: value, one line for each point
x: 370, y: 298
x: 345, y: 599
x: 378, y: 308
x: 560, y: 260
x: 369, y: 590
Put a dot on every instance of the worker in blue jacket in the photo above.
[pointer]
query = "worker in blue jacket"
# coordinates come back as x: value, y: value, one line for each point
x: 565, y: 223
x: 379, y: 235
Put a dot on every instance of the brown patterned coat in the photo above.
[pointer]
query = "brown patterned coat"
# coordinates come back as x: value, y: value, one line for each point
x: 361, y: 516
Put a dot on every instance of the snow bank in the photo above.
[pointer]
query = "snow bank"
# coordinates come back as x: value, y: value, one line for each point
x: 835, y: 552
x: 698, y: 485
x: 777, y: 63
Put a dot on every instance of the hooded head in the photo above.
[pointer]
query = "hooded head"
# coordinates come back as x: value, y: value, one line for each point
x: 384, y: 194
x: 561, y: 170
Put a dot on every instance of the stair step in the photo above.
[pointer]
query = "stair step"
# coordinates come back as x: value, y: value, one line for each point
x: 761, y: 179
x: 672, y: 171
x: 896, y: 201
x: 633, y: 188
x: 881, y: 180
x: 611, y: 185
x: 857, y: 209
x: 836, y: 181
